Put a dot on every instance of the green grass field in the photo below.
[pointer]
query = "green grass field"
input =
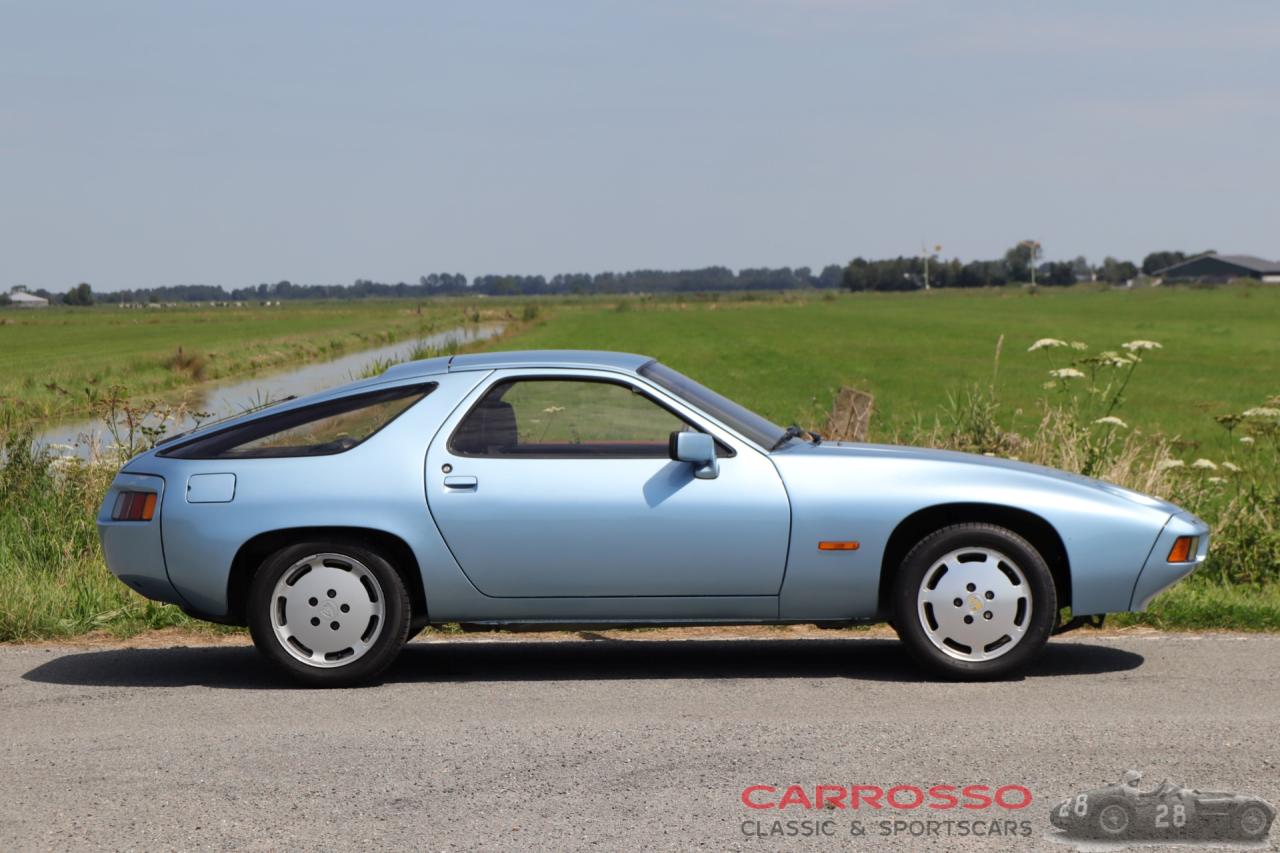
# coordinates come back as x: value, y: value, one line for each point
x: 55, y: 358
x: 785, y: 356
x: 1221, y: 348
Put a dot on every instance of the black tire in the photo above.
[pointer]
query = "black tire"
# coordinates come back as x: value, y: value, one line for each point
x: 908, y: 622
x: 391, y: 634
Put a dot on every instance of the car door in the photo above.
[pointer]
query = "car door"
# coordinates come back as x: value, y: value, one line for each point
x: 558, y: 483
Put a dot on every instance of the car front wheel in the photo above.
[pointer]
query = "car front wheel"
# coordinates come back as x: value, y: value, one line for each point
x: 1252, y: 822
x: 974, y: 601
x: 331, y: 614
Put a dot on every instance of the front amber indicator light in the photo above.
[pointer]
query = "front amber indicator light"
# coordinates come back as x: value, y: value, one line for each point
x: 837, y: 546
x: 134, y: 506
x: 1184, y: 549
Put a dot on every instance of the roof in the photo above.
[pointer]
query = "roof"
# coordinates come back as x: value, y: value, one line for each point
x: 549, y: 358
x: 605, y: 359
x: 1248, y: 262
x: 23, y: 296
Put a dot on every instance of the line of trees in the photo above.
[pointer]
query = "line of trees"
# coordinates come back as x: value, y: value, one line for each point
x: 456, y: 284
x: 908, y: 273
x: 901, y: 273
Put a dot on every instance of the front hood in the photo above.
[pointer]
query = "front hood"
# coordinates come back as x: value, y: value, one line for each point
x: 854, y: 450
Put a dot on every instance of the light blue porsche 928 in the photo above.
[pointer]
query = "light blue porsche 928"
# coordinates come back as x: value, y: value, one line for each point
x: 596, y: 488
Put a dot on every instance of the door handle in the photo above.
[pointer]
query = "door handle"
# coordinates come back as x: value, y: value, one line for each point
x: 463, y: 483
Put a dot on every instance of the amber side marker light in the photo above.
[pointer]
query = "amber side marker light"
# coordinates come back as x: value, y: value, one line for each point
x: 134, y: 506
x: 837, y: 546
x: 1184, y: 549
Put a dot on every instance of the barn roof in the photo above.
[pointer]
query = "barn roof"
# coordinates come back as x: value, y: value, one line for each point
x: 1251, y: 262
x: 1248, y: 262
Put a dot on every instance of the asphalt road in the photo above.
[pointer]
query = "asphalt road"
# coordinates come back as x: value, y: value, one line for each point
x: 602, y: 744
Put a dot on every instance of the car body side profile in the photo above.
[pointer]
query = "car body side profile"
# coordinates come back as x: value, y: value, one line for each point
x: 1166, y: 812
x: 597, y: 488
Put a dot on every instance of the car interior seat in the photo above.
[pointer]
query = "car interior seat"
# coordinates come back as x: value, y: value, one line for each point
x: 490, y: 428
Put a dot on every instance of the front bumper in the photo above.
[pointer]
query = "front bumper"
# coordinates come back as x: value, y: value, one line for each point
x: 1158, y: 574
x: 133, y: 549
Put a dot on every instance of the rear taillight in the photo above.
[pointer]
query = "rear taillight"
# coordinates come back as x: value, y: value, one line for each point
x: 134, y: 506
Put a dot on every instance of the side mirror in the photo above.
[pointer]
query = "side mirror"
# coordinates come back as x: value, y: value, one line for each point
x: 697, y: 448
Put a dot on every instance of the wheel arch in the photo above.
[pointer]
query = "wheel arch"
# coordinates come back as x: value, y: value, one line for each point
x: 251, y: 554
x: 1040, y: 533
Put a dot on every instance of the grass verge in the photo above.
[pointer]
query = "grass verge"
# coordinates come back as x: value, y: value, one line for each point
x: 1202, y: 603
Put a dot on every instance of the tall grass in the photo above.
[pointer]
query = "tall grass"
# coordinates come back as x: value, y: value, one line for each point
x: 189, y: 363
x: 52, y: 578
x: 421, y: 350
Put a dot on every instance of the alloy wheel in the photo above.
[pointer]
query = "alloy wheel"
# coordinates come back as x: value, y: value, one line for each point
x: 974, y: 604
x: 327, y: 610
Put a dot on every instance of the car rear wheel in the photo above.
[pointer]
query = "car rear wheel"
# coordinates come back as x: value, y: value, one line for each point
x: 330, y: 614
x: 1114, y: 820
x: 974, y: 601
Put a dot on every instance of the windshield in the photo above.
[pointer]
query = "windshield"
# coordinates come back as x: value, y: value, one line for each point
x: 760, y: 430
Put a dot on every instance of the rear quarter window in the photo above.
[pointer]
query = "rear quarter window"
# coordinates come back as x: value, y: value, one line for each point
x: 321, y: 429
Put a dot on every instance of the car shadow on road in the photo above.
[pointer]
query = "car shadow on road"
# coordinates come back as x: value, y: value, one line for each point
x: 445, y: 661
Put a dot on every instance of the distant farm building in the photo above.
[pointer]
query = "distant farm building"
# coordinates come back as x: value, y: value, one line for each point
x: 1215, y: 267
x: 19, y: 298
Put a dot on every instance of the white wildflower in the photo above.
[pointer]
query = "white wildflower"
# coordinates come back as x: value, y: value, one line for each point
x: 1204, y: 465
x: 1112, y: 420
x: 1050, y: 385
x: 1217, y: 479
x: 551, y: 410
x: 1111, y: 358
x: 1262, y: 412
x: 1246, y: 439
x: 1134, y: 346
x: 1066, y: 373
x: 1232, y: 467
x: 1166, y: 464
x: 1046, y: 343
x: 1079, y: 345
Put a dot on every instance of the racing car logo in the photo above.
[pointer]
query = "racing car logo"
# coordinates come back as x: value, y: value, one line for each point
x: 1124, y: 811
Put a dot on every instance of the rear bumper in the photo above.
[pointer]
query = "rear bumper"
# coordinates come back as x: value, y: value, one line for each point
x: 134, y: 550
x: 1158, y: 574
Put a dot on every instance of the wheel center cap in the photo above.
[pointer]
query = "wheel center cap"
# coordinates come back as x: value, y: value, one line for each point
x: 975, y: 603
x: 328, y: 611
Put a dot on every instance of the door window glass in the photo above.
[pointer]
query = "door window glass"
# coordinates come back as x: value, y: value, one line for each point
x: 565, y: 418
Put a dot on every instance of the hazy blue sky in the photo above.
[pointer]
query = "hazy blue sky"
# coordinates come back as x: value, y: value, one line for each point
x: 234, y: 143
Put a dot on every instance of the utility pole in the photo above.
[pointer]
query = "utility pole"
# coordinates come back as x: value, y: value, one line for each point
x: 924, y: 253
x: 1033, y: 247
